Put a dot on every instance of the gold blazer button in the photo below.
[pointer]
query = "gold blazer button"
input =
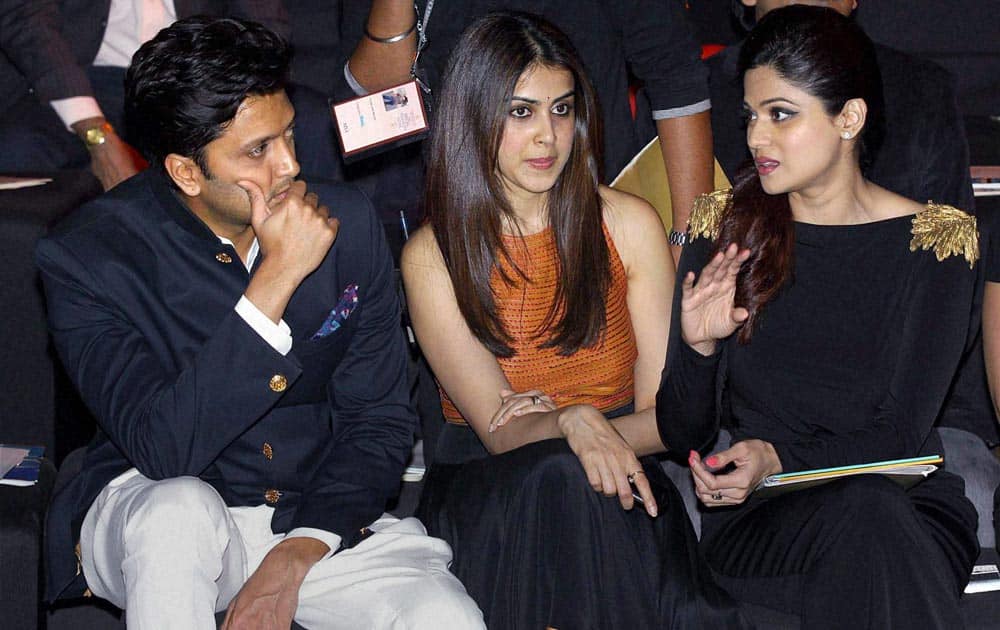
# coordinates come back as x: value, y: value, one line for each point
x: 278, y: 383
x: 268, y: 451
x: 272, y: 496
x: 223, y: 257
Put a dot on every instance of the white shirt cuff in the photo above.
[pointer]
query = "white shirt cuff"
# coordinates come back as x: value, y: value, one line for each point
x: 278, y: 336
x: 687, y: 110
x: 332, y: 540
x: 75, y: 108
x: 351, y: 81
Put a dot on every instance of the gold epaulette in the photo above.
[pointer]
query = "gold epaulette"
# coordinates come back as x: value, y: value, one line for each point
x: 706, y: 214
x: 948, y: 231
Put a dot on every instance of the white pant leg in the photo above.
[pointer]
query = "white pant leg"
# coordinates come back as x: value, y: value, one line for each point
x: 396, y: 579
x: 168, y: 552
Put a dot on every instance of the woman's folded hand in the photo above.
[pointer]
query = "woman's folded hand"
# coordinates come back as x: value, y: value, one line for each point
x: 752, y: 460
x: 514, y: 404
x: 608, y: 460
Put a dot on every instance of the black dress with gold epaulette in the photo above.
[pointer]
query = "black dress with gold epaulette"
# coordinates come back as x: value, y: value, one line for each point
x: 850, y: 363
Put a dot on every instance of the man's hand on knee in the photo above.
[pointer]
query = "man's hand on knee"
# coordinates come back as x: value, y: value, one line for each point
x: 269, y: 598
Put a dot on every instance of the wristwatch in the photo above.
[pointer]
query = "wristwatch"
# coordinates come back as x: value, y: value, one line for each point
x: 98, y: 135
x: 677, y: 238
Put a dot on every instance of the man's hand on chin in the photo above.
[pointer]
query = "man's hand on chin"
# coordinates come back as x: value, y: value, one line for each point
x: 269, y: 598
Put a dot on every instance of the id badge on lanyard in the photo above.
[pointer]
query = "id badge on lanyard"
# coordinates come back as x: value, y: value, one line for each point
x: 376, y: 122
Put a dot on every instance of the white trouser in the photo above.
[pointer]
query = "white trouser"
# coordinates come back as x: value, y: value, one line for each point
x: 171, y: 553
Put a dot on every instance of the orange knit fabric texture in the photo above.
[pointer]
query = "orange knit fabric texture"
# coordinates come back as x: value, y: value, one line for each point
x: 602, y: 375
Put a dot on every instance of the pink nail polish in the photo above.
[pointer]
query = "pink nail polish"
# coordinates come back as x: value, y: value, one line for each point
x: 712, y: 461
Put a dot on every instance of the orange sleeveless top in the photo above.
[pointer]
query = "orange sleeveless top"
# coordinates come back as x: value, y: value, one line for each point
x: 602, y: 375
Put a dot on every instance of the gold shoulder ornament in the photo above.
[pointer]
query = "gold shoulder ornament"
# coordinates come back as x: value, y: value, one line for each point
x: 706, y: 214
x: 948, y: 231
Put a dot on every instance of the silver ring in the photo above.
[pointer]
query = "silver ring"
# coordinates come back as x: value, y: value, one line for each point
x: 631, y: 476
x: 717, y: 496
x: 535, y: 400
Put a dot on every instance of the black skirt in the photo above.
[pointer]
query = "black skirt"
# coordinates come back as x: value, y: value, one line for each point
x: 536, y: 546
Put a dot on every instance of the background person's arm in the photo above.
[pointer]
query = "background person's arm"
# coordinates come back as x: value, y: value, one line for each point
x: 663, y: 52
x: 379, y: 65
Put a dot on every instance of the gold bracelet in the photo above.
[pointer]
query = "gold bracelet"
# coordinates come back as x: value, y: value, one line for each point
x: 391, y: 40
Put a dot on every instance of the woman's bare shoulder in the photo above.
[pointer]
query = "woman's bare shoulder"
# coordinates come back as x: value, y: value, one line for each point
x: 630, y: 217
x: 627, y: 213
x: 422, y: 250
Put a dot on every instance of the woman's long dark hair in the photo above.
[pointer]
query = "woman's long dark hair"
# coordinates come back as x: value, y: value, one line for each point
x: 465, y: 199
x: 827, y: 55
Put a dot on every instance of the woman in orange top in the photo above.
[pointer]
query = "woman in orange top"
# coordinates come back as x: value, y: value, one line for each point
x: 542, y: 302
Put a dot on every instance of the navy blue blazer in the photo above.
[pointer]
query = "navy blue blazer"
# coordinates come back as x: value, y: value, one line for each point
x: 141, y: 298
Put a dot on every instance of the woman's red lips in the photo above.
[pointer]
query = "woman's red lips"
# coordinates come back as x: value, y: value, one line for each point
x: 542, y: 163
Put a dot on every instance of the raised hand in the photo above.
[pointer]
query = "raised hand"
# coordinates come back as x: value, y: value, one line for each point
x: 514, y: 404
x: 752, y: 460
x: 296, y: 231
x: 708, y: 313
x: 606, y: 457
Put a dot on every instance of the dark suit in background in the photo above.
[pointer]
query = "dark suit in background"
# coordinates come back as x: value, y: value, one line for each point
x: 48, y: 48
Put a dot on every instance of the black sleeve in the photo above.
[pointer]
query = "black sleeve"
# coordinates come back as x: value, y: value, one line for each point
x: 31, y: 37
x: 686, y: 414
x: 662, y: 51
x: 933, y: 336
x: 353, y: 17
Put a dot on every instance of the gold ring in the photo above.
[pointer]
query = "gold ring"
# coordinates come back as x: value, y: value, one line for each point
x: 717, y: 496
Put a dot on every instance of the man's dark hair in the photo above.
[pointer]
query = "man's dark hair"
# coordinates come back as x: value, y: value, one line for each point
x: 185, y: 85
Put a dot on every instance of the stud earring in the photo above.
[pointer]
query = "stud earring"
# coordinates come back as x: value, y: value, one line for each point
x: 846, y: 135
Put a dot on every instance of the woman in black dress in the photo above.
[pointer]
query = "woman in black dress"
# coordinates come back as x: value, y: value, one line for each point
x: 541, y: 301
x: 825, y: 325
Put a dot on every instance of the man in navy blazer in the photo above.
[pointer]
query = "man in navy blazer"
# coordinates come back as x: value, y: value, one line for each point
x: 236, y: 334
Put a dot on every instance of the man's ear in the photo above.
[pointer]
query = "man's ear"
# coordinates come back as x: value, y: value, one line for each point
x: 852, y: 117
x: 185, y: 172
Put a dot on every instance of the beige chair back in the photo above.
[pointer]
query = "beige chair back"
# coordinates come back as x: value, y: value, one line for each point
x: 645, y: 176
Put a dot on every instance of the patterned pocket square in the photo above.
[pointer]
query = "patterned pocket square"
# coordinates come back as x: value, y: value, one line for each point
x: 340, y: 313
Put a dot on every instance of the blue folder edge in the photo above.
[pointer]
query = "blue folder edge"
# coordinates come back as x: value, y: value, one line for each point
x: 911, y: 461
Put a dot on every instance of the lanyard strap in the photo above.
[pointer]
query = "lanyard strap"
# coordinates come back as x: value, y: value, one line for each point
x: 421, y: 42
